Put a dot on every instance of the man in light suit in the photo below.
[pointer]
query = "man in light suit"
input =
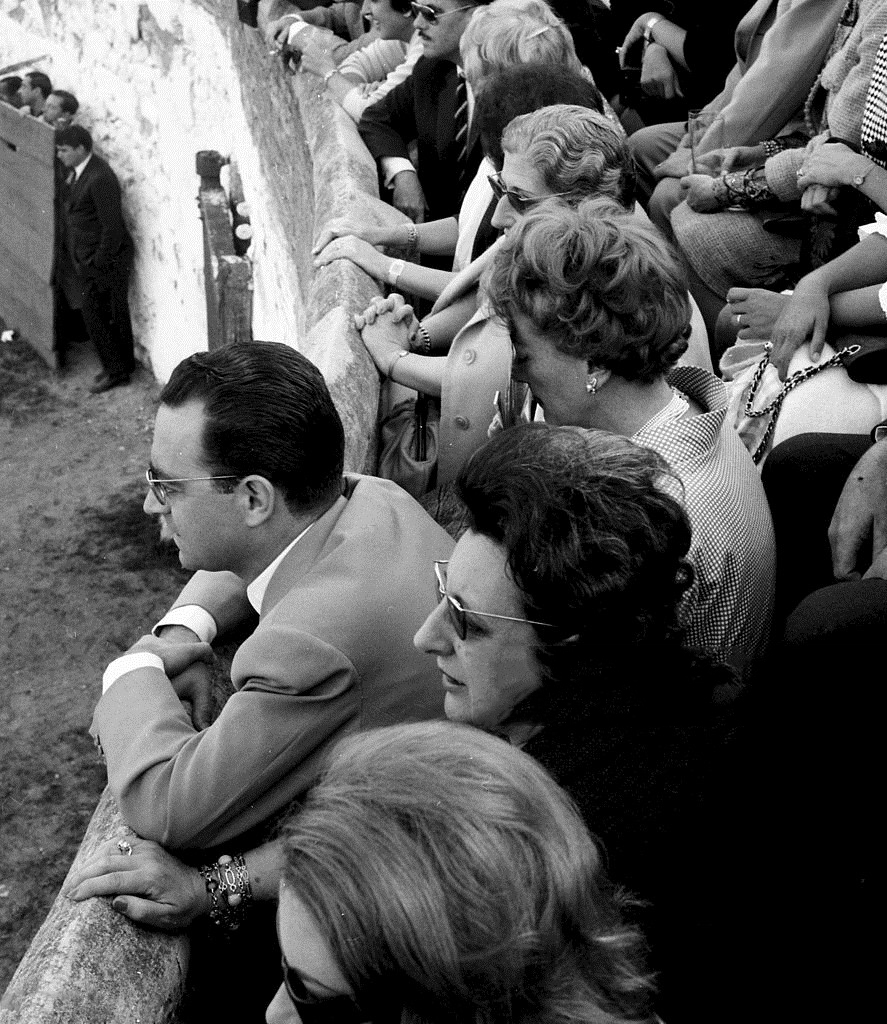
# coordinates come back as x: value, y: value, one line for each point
x: 100, y: 252
x: 246, y: 477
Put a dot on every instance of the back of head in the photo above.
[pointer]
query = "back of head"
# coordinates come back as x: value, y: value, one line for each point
x: 40, y: 80
x: 9, y: 87
x: 511, y: 32
x: 267, y: 411
x: 594, y: 543
x: 577, y: 151
x: 599, y: 284
x: 454, y: 882
x: 520, y: 89
x: 68, y: 102
x: 74, y: 135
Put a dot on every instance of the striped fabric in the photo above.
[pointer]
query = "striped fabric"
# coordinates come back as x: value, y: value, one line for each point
x: 461, y: 120
x: 728, y: 610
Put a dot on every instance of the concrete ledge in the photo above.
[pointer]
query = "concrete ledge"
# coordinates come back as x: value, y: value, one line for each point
x: 88, y: 964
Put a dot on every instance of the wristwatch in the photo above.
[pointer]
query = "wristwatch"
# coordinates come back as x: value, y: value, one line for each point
x: 859, y: 179
x: 395, y: 269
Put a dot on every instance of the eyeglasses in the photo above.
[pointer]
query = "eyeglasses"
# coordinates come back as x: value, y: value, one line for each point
x: 432, y: 15
x: 160, y: 491
x: 313, y: 1010
x: 518, y: 202
x: 458, y: 614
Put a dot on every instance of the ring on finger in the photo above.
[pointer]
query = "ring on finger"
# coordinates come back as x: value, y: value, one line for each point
x: 768, y: 346
x: 738, y: 319
x: 124, y: 847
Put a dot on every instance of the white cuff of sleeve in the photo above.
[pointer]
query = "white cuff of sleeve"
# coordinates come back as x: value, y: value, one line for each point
x: 296, y: 28
x: 392, y: 166
x: 129, y: 663
x: 194, y: 617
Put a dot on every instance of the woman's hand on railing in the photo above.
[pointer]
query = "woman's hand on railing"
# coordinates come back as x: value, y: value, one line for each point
x: 361, y: 253
x: 387, y: 337
x: 339, y: 227
x: 149, y: 886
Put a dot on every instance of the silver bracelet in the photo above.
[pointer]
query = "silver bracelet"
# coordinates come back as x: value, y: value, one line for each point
x: 399, y: 355
x: 230, y: 893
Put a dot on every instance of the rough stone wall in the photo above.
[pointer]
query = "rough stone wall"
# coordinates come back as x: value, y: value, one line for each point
x: 160, y: 80
x: 157, y: 82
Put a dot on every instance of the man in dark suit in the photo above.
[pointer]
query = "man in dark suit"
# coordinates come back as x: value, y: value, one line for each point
x: 246, y: 478
x: 424, y: 109
x: 100, y: 251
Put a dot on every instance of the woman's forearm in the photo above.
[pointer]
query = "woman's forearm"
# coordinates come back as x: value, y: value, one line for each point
x: 421, y: 373
x: 863, y: 265
x: 859, y: 309
x: 265, y: 865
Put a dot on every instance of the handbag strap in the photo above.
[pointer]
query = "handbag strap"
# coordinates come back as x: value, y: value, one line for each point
x: 791, y: 382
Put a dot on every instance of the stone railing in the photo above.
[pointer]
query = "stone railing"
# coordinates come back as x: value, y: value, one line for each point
x: 87, y: 964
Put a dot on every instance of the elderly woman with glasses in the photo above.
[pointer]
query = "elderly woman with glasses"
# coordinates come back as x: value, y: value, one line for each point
x: 597, y: 308
x: 558, y: 631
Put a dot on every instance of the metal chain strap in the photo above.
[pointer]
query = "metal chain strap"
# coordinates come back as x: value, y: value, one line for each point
x: 798, y: 377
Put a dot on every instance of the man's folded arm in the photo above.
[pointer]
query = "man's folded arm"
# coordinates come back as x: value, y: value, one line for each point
x: 220, y: 596
x: 188, y: 789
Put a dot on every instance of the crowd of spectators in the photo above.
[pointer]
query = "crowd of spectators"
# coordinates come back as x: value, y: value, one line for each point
x: 603, y: 209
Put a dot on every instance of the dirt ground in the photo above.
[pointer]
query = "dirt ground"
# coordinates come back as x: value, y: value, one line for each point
x: 81, y: 577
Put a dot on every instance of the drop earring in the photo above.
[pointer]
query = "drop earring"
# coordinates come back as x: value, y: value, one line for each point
x: 591, y: 385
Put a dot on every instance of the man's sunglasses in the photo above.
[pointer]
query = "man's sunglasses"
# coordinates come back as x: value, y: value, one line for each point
x: 518, y: 202
x: 432, y: 15
x: 314, y: 1010
x: 458, y: 614
x: 161, y: 492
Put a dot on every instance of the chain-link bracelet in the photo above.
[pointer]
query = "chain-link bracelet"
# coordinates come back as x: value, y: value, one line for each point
x: 230, y: 894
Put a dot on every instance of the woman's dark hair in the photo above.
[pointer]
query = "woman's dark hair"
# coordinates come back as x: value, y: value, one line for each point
x: 267, y: 411
x: 597, y: 283
x: 522, y: 89
x: 455, y: 883
x: 595, y: 540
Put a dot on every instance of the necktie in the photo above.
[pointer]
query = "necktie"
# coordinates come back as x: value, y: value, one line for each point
x: 462, y: 130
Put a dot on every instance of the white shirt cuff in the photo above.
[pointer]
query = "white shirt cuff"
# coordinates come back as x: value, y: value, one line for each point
x: 296, y: 28
x: 129, y: 663
x: 194, y: 617
x: 392, y: 166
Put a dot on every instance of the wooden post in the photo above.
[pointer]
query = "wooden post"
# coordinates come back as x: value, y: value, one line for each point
x: 227, y: 276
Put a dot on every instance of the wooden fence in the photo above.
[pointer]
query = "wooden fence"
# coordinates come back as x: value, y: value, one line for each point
x: 27, y: 228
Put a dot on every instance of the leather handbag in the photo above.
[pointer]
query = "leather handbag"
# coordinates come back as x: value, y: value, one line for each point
x: 409, y: 443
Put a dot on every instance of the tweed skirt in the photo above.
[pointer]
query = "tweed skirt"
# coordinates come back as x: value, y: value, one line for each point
x: 734, y: 249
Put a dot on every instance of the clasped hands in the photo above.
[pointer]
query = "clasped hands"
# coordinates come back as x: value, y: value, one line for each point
x: 388, y: 326
x: 188, y: 663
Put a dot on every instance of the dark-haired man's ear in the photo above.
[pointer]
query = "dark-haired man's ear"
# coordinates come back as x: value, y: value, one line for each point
x: 259, y: 498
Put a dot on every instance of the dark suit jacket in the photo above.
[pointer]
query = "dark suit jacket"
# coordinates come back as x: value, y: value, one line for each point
x: 423, y: 109
x: 96, y: 237
x: 332, y: 654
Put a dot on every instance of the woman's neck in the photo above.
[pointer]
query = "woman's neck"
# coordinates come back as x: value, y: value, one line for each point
x: 624, y: 406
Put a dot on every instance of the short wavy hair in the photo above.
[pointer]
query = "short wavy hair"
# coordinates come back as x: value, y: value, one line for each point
x: 598, y: 283
x: 267, y: 410
x: 522, y: 89
x: 595, y: 539
x: 511, y: 32
x: 454, y: 881
x: 576, y: 151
